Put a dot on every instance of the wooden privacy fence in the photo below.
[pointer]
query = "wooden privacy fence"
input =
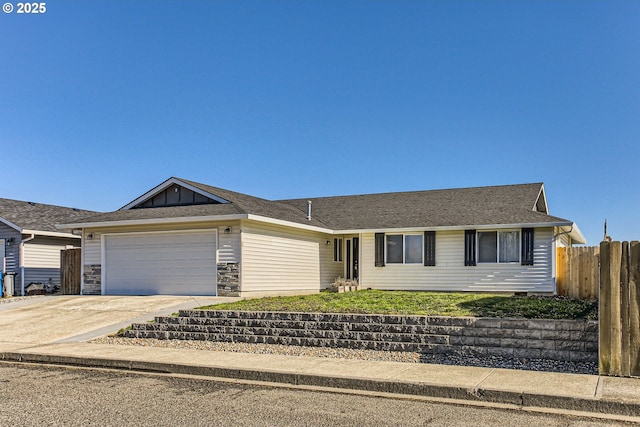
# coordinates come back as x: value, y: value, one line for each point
x: 577, y: 272
x: 70, y: 268
x: 619, y: 313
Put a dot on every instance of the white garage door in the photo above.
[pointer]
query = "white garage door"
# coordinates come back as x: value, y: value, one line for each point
x: 181, y: 263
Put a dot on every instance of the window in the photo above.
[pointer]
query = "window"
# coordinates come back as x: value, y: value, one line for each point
x: 404, y: 249
x: 337, y: 249
x: 498, y: 246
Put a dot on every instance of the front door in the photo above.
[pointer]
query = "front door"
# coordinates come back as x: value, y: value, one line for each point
x: 353, y: 258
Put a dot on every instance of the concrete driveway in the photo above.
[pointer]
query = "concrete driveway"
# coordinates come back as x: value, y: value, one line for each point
x: 71, y: 318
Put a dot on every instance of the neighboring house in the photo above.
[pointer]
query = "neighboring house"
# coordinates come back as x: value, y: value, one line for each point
x: 30, y: 243
x: 183, y: 237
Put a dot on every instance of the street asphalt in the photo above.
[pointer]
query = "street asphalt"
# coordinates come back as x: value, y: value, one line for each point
x: 56, y: 330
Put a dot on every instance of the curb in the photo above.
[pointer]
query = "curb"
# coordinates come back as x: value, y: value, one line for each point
x: 479, y: 395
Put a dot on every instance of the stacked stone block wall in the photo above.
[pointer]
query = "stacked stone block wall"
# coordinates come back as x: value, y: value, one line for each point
x: 563, y: 340
x: 92, y: 279
x: 228, y: 279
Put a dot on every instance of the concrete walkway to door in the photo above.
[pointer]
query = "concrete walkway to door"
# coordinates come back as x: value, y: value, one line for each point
x: 71, y: 318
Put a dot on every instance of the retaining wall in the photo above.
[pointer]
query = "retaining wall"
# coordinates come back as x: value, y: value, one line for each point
x: 565, y: 340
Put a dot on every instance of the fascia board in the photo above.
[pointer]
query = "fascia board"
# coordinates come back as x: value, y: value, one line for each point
x: 50, y: 234
x: 168, y: 183
x: 576, y: 234
x: 542, y: 194
x: 151, y: 221
x: 453, y: 228
x: 10, y: 224
x: 290, y: 224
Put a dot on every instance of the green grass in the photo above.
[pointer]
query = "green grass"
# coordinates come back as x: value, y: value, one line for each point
x: 424, y: 303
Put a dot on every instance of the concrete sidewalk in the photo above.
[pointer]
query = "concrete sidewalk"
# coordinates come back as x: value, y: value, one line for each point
x: 618, y: 397
x: 571, y: 392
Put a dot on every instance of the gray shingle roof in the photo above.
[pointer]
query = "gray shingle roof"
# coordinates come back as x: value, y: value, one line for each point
x: 39, y: 216
x: 507, y: 204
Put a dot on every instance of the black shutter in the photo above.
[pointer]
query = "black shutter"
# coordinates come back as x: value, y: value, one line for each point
x: 379, y: 250
x: 527, y: 246
x: 429, y: 248
x: 469, y: 247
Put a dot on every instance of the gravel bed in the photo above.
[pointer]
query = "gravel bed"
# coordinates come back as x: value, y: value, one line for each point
x: 547, y: 365
x: 344, y: 353
x: 288, y: 350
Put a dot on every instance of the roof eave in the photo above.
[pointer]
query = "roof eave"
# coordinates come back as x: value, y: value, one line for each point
x: 576, y: 234
x: 454, y: 227
x: 290, y: 224
x: 50, y: 233
x: 10, y: 224
x: 150, y: 221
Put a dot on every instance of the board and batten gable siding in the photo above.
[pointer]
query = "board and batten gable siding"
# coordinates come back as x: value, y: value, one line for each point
x: 12, y: 252
x: 450, y: 273
x: 42, y: 259
x: 277, y: 259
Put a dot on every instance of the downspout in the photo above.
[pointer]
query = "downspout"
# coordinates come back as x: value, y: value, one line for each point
x: 22, y: 242
x: 555, y: 236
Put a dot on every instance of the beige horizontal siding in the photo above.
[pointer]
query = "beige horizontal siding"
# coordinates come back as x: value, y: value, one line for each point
x: 275, y: 258
x: 45, y: 252
x: 450, y: 273
x: 92, y: 248
x: 229, y: 245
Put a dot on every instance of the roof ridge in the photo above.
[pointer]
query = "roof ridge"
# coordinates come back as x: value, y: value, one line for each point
x: 413, y: 191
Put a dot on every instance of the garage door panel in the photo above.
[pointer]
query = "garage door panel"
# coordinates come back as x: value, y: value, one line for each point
x: 161, y: 263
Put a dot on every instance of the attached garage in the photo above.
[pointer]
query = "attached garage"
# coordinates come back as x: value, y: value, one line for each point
x: 160, y: 263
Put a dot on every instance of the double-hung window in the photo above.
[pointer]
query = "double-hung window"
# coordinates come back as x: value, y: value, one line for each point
x: 499, y: 246
x: 404, y: 248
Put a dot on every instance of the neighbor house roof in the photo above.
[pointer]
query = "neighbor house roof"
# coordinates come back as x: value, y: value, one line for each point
x: 38, y: 218
x: 517, y: 205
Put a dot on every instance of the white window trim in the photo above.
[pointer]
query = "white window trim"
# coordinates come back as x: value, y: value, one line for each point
x: 404, y: 253
x: 498, y: 246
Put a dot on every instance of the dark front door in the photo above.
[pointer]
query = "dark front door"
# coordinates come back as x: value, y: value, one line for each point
x: 353, y: 258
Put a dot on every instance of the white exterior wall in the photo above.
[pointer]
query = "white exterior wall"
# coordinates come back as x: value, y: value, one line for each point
x: 281, y: 260
x: 450, y: 273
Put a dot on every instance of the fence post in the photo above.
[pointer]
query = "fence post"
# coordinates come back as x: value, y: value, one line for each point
x: 574, y: 274
x: 624, y: 312
x: 634, y: 308
x: 561, y: 271
x: 610, y: 341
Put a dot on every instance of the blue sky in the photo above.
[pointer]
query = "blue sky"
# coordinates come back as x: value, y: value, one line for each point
x: 102, y: 100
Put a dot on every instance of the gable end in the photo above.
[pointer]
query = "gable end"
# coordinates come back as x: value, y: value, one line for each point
x: 541, y: 202
x: 175, y: 195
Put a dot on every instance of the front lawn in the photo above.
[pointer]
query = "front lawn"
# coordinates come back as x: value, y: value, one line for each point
x: 424, y: 303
